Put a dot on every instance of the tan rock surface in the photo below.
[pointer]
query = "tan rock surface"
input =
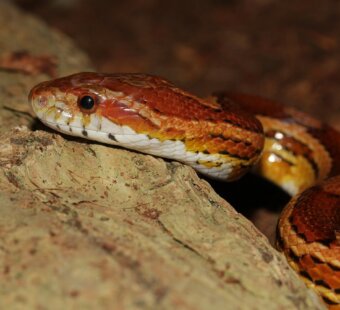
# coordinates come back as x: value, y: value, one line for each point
x: 90, y: 226
x: 86, y: 226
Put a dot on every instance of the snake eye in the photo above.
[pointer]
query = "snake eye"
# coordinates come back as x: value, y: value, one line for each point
x: 87, y: 103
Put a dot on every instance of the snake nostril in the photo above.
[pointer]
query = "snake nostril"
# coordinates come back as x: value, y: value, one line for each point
x: 41, y: 101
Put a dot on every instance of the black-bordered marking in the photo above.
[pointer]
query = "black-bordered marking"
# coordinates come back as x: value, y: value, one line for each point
x: 112, y: 137
x: 317, y: 260
x: 293, y: 256
x: 306, y: 275
x: 236, y: 141
x: 322, y: 283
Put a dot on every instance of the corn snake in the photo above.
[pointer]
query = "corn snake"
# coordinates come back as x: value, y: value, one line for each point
x: 220, y: 138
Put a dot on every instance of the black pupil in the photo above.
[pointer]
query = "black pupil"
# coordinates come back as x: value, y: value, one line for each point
x: 87, y: 102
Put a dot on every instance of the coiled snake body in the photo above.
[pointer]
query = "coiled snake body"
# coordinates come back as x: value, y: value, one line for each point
x: 219, y: 137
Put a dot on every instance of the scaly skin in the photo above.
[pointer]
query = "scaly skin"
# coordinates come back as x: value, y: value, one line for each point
x: 218, y: 138
x: 312, y: 247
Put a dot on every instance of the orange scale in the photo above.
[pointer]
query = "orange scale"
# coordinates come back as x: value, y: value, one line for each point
x: 170, y: 134
x: 214, y: 146
x: 307, y: 261
x: 334, y: 281
x: 325, y: 269
x: 194, y: 147
x: 314, y: 273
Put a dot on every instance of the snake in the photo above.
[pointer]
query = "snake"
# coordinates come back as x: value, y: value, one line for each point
x: 222, y: 136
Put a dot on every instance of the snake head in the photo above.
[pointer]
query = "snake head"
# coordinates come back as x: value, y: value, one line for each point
x: 80, y: 105
x: 149, y: 114
x: 67, y: 101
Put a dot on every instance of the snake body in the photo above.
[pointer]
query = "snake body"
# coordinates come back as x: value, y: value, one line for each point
x: 219, y: 137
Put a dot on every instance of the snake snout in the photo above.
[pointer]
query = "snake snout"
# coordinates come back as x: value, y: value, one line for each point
x: 40, y: 102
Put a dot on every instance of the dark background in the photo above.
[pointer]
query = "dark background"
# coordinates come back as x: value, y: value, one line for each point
x: 285, y: 50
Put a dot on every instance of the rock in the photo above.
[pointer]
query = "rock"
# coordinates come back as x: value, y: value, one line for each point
x: 87, y: 226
